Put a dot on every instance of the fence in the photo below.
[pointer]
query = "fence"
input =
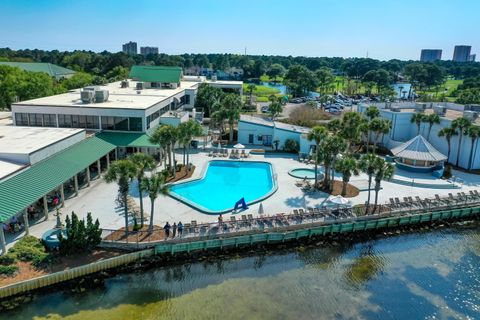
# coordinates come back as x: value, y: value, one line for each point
x: 323, y: 230
x: 73, y: 273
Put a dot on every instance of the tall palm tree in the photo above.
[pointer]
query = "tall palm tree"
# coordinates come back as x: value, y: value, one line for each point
x: 372, y: 112
x: 379, y: 127
x: 347, y: 166
x: 187, y: 131
x: 431, y: 119
x: 122, y: 171
x: 229, y: 111
x: 275, y: 108
x: 367, y: 165
x: 328, y: 152
x: 250, y: 88
x: 318, y: 134
x: 462, y: 124
x: 382, y: 170
x: 334, y: 126
x: 154, y: 185
x: 473, y: 133
x: 161, y: 136
x: 142, y: 162
x: 417, y: 118
x: 448, y: 133
x: 350, y: 127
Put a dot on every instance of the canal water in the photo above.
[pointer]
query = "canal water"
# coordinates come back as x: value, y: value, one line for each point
x: 424, y: 275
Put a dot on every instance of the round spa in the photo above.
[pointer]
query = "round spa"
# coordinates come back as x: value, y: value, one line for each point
x: 302, y: 173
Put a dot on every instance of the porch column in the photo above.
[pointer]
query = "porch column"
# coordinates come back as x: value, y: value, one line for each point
x: 88, y: 176
x: 99, y: 167
x: 75, y: 181
x: 62, y: 195
x: 116, y: 154
x: 25, y: 218
x: 45, y: 207
x: 108, y: 160
x: 2, y: 240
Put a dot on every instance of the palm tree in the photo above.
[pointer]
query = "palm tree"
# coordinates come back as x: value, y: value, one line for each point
x: 448, y: 133
x: 275, y: 108
x: 142, y: 162
x: 318, y: 134
x: 372, y: 112
x: 400, y: 88
x: 230, y: 111
x: 154, y: 185
x: 462, y: 124
x: 187, y: 131
x: 250, y: 88
x: 379, y: 127
x: 334, y: 126
x: 328, y: 151
x: 367, y: 165
x: 382, y: 170
x: 122, y: 171
x: 431, y: 119
x: 347, y: 166
x: 350, y: 127
x: 473, y: 133
x: 161, y: 136
x: 417, y: 118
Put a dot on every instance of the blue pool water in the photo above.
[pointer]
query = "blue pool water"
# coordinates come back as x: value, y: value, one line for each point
x: 224, y: 183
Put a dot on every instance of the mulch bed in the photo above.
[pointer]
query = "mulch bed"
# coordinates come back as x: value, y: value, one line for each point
x: 337, y: 190
x: 141, y: 235
x: 27, y: 271
x: 182, y: 174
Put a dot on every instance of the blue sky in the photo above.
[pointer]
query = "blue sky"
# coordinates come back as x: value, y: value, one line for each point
x: 349, y: 28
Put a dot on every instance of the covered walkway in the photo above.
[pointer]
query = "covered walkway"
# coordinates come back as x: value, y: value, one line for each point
x: 36, y: 182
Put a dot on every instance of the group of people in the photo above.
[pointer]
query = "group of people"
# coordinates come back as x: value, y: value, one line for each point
x: 175, y: 228
x: 13, y: 226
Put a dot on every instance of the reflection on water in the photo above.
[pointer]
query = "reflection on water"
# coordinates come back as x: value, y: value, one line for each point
x: 416, y: 276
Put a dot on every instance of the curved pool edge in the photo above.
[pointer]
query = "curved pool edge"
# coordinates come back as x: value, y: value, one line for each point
x: 202, y: 175
x: 320, y: 174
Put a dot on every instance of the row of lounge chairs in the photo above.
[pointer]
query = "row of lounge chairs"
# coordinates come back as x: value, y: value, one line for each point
x: 223, y: 153
x: 409, y: 202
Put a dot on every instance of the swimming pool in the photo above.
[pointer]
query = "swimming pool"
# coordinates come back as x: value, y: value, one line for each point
x: 226, y: 182
x: 301, y: 173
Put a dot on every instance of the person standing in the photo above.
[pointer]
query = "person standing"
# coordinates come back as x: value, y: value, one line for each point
x: 166, y: 228
x: 180, y: 228
x: 174, y: 230
x: 220, y: 222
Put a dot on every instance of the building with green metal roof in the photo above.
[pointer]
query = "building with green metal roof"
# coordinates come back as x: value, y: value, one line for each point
x: 52, y: 70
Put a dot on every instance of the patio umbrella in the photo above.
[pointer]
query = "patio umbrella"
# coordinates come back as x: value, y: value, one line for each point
x: 239, y: 146
x: 260, y: 209
x: 219, y: 145
x: 338, y: 200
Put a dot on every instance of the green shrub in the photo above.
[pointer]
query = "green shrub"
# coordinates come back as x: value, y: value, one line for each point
x: 291, y: 145
x: 81, y: 236
x: 7, y: 259
x: 8, y: 270
x: 31, y: 249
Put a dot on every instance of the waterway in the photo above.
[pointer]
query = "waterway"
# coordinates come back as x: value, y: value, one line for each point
x: 422, y: 275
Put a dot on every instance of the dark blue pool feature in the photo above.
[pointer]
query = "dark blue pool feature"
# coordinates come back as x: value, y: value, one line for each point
x: 51, y: 240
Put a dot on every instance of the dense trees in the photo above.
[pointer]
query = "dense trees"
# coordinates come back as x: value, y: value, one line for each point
x: 300, y: 80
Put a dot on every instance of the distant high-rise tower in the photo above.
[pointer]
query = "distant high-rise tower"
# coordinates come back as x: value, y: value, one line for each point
x: 472, y: 57
x: 130, y: 48
x: 148, y: 50
x: 461, y: 53
x: 429, y: 55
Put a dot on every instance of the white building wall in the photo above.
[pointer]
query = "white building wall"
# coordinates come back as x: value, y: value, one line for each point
x: 245, y: 129
x: 284, y: 135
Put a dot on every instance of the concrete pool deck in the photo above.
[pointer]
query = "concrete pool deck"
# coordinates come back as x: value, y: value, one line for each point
x: 99, y: 199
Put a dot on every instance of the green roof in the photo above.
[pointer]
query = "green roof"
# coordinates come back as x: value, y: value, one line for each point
x: 52, y: 69
x: 127, y: 139
x: 25, y: 188
x: 156, y: 74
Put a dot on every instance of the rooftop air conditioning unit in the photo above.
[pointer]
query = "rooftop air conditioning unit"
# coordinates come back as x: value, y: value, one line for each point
x: 440, y: 110
x: 470, y: 115
x: 87, y: 96
x: 124, y: 84
x: 214, y: 78
x: 139, y: 85
x: 101, y: 95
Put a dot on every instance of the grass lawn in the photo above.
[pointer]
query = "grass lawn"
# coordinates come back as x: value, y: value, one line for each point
x: 261, y: 93
x: 266, y: 78
x: 447, y: 87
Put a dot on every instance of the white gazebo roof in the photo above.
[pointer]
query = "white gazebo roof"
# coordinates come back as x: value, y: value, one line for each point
x: 418, y: 148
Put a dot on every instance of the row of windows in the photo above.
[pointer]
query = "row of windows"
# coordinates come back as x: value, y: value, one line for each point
x: 78, y: 121
x: 35, y: 120
x: 122, y: 123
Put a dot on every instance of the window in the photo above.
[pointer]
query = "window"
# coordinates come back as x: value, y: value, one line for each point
x: 259, y: 138
x: 64, y: 121
x: 49, y: 120
x: 135, y: 124
x: 21, y: 119
x: 35, y: 119
x: 155, y: 85
x: 92, y: 122
x: 107, y: 123
x: 250, y: 138
x: 121, y: 123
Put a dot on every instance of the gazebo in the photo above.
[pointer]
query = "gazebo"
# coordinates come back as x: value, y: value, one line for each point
x: 418, y: 155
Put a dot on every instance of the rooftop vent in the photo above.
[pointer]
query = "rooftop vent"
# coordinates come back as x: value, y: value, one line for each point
x: 139, y: 85
x: 87, y: 96
x: 94, y: 94
x: 124, y: 84
x: 214, y: 78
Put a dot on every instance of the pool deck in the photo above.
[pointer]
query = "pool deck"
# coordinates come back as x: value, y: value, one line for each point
x: 99, y: 198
